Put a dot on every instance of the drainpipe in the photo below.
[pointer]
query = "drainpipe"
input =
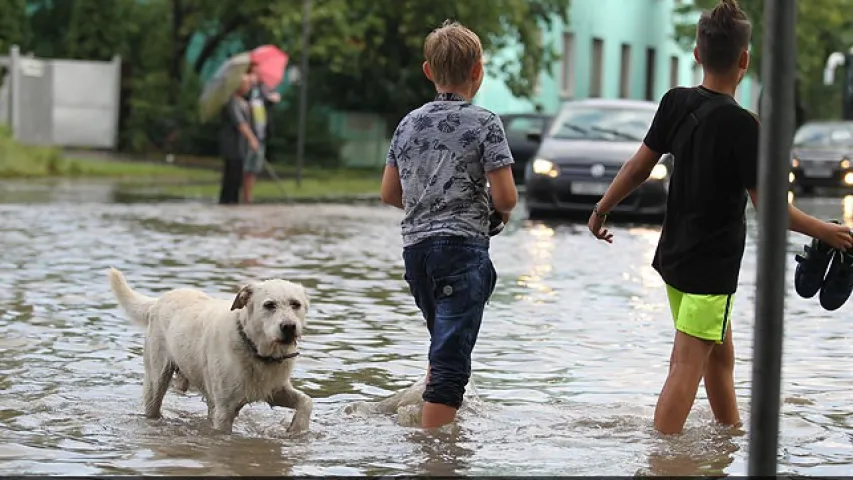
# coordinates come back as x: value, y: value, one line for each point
x: 835, y: 60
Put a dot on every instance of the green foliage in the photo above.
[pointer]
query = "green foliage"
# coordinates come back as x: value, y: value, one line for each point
x: 96, y: 29
x: 14, y: 29
x: 823, y: 27
x: 18, y: 160
x: 366, y: 55
x: 49, y: 26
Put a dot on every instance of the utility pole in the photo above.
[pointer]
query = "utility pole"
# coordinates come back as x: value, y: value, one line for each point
x: 303, y: 94
x: 777, y: 131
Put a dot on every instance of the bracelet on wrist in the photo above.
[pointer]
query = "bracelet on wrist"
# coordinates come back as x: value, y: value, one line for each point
x: 598, y: 212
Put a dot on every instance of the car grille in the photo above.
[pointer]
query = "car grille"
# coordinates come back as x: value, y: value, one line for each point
x: 823, y: 158
x: 584, y: 170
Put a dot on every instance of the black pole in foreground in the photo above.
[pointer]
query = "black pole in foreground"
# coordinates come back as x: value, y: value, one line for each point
x: 777, y: 131
x: 303, y: 93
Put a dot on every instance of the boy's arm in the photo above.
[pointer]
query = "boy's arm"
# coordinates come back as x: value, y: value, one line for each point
x: 635, y: 171
x: 632, y: 174
x: 391, y: 191
x: 746, y: 157
x: 497, y: 162
x: 834, y: 235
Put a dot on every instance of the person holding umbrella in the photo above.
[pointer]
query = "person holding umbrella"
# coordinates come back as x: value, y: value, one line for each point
x: 260, y: 98
x: 228, y: 94
x: 236, y: 141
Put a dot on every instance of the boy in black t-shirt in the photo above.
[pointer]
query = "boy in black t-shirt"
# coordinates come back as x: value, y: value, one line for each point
x: 703, y: 237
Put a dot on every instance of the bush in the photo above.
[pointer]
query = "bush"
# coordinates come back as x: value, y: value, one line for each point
x: 17, y: 160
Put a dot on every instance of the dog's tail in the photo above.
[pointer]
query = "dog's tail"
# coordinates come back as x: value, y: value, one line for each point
x: 135, y: 305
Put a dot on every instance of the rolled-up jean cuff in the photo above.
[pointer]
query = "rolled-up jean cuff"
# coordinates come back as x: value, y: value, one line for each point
x: 447, y: 389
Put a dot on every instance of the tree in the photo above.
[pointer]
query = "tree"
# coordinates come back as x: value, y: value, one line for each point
x: 823, y: 27
x: 48, y: 23
x: 14, y: 28
x: 96, y: 29
x: 366, y: 55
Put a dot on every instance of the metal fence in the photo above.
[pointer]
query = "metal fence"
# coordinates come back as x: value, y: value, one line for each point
x: 65, y: 103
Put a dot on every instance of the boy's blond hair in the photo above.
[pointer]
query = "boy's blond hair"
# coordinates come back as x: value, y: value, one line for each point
x: 451, y: 51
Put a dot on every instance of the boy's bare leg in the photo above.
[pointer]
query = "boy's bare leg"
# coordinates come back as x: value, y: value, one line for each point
x: 689, y: 357
x: 436, y: 415
x: 720, y: 383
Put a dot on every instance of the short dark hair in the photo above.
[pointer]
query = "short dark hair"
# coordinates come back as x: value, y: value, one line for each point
x: 721, y: 35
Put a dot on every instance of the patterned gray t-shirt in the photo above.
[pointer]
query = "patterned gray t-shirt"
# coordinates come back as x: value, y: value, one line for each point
x: 443, y: 151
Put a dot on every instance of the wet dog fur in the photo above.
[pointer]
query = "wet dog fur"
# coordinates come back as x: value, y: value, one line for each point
x: 233, y: 353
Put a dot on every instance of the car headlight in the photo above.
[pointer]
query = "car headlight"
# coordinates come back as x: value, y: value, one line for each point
x: 845, y: 163
x: 659, y: 172
x: 545, y: 167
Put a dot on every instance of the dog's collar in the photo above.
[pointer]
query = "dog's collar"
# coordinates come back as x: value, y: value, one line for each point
x: 254, y: 348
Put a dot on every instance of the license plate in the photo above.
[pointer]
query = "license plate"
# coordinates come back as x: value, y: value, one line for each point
x: 589, y: 188
x: 817, y: 172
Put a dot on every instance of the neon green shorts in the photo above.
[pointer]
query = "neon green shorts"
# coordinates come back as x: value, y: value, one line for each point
x: 706, y: 317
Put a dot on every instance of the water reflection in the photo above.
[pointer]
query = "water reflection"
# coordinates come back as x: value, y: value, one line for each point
x: 442, y: 453
x: 540, y: 254
x: 703, y: 452
x: 847, y: 209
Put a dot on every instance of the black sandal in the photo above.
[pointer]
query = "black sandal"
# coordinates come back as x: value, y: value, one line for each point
x: 811, y: 268
x: 838, y: 283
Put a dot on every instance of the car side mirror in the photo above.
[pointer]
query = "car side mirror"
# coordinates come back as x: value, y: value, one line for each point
x: 534, y: 136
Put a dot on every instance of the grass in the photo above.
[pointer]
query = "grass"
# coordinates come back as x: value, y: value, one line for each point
x: 189, y: 177
x: 327, y: 186
x: 19, y: 161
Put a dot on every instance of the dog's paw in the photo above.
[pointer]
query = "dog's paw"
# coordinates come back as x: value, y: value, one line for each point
x: 298, y: 425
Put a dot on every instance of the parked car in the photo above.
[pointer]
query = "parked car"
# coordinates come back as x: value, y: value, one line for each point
x: 822, y: 155
x: 518, y: 127
x: 588, y: 142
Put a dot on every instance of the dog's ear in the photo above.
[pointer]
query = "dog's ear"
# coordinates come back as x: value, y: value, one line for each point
x: 242, y: 297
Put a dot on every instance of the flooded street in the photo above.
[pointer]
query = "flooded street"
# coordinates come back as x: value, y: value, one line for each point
x: 573, y: 350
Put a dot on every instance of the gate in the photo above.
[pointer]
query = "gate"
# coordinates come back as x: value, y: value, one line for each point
x: 65, y: 103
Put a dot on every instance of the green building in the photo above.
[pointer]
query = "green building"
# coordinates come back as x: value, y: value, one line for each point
x: 610, y: 49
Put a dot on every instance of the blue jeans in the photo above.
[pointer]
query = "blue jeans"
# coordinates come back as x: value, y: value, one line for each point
x: 451, y: 279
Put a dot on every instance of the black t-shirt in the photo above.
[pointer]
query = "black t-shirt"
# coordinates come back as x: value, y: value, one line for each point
x: 704, y: 231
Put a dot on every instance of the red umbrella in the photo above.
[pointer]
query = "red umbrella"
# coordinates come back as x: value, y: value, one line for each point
x: 271, y: 63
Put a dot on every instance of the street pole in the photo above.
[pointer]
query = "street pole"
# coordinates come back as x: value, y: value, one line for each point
x: 303, y: 93
x: 777, y: 131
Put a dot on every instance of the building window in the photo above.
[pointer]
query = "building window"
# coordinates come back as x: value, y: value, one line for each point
x: 651, y: 68
x: 625, y: 72
x: 673, y: 71
x: 597, y: 71
x: 568, y: 73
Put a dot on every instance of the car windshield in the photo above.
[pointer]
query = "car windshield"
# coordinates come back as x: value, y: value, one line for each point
x: 605, y: 123
x: 824, y: 135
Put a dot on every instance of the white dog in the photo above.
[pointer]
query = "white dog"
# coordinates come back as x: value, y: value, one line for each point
x: 233, y: 355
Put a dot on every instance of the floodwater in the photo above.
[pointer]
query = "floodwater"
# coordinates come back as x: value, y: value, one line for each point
x: 572, y: 354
